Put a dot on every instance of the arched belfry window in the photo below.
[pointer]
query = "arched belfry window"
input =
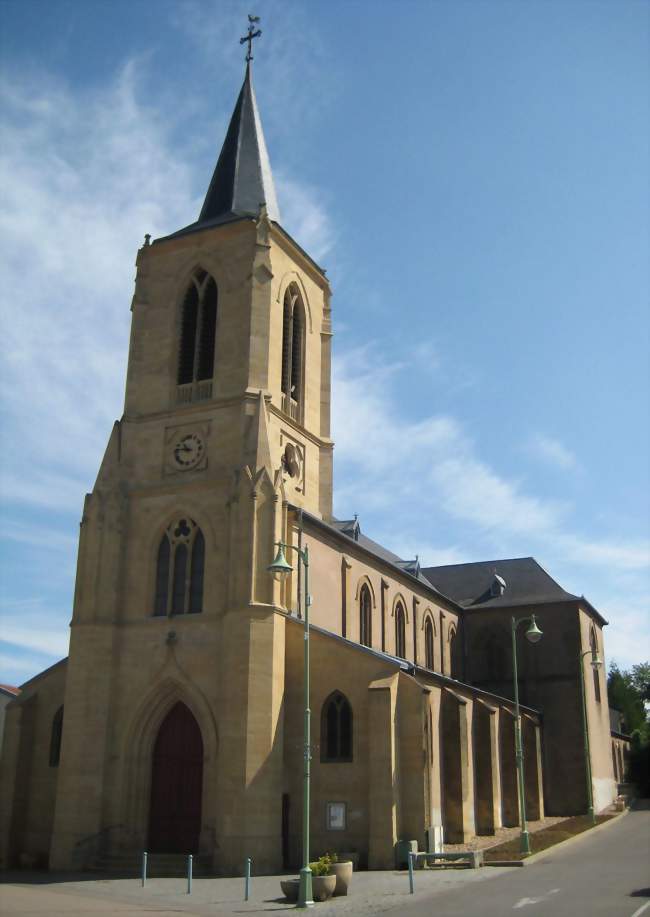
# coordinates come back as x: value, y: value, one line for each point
x: 197, y: 338
x: 428, y: 644
x: 55, y: 738
x: 593, y: 646
x: 400, y: 631
x: 293, y: 352
x: 179, y: 570
x: 336, y: 729
x: 365, y: 616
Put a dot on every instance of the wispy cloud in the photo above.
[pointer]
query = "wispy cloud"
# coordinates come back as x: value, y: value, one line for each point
x: 552, y: 451
x: 430, y: 469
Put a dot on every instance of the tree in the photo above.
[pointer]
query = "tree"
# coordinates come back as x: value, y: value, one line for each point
x: 629, y: 692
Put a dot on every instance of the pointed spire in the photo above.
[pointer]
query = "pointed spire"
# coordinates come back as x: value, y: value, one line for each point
x: 242, y: 180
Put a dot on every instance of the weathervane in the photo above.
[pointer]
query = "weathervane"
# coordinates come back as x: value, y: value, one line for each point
x: 252, y: 33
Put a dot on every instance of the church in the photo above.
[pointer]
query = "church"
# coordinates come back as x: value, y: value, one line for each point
x: 175, y: 725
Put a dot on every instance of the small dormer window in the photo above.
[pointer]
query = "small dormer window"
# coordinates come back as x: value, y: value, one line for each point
x: 498, y: 586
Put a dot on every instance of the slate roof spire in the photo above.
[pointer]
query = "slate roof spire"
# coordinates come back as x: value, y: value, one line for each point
x: 242, y: 179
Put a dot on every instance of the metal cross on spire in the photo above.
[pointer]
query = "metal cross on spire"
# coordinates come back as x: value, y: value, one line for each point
x: 252, y: 33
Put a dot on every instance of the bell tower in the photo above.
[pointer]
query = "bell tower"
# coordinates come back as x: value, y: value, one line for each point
x: 225, y: 308
x: 226, y: 421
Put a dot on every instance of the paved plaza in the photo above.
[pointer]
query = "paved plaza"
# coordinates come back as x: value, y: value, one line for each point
x: 371, y: 893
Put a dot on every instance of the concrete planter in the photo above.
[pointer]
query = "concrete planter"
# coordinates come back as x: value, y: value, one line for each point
x: 290, y: 888
x: 343, y: 873
x: 352, y: 856
x: 323, y: 887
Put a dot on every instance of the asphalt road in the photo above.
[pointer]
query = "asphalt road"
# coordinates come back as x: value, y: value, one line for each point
x: 606, y: 874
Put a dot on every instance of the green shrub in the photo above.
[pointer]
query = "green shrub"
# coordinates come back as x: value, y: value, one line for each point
x: 321, y: 866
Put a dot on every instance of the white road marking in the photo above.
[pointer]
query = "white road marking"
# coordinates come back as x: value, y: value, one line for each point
x: 640, y: 910
x: 523, y: 902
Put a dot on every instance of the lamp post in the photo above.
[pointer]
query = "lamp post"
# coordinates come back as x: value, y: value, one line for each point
x: 533, y: 635
x: 281, y: 566
x: 596, y: 663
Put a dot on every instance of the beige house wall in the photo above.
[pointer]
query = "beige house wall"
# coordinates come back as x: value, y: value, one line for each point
x: 602, y: 772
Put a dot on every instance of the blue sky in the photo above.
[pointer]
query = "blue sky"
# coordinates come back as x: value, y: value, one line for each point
x: 474, y: 177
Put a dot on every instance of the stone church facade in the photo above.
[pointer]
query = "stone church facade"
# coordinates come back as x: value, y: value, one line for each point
x: 175, y: 723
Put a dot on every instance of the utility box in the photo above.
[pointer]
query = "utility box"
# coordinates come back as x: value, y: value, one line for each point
x: 402, y: 850
x: 435, y: 839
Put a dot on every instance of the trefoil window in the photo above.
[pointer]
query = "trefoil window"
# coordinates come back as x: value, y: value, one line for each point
x: 400, y: 631
x: 365, y: 616
x: 179, y: 570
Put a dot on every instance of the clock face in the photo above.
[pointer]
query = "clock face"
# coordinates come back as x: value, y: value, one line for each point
x: 188, y: 451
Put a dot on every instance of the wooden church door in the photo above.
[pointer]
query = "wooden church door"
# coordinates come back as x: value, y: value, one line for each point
x: 176, y: 784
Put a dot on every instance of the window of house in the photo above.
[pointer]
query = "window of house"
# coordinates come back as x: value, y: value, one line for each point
x: 336, y: 729
x: 365, y: 616
x: 428, y: 644
x: 400, y: 631
x: 293, y: 352
x: 179, y: 570
x: 593, y: 645
x: 197, y: 338
x: 55, y: 738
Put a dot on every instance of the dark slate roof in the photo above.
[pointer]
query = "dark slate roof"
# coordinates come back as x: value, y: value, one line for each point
x: 242, y: 179
x: 352, y: 529
x: 469, y: 584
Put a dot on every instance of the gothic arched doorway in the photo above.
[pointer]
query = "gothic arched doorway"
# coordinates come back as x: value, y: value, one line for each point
x: 176, y: 784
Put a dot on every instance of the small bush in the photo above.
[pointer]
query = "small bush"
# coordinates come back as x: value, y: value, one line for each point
x: 321, y: 866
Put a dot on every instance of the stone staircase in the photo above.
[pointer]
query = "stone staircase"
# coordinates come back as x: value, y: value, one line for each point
x: 159, y: 865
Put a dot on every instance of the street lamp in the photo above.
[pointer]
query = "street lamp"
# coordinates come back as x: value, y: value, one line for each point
x: 282, y: 567
x: 596, y: 663
x: 533, y: 635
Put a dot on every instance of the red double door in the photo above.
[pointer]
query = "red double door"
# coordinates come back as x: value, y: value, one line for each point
x: 176, y: 784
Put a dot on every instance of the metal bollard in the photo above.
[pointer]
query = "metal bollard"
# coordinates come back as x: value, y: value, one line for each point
x: 144, y: 867
x: 247, y: 878
x: 189, y: 874
x: 411, y: 857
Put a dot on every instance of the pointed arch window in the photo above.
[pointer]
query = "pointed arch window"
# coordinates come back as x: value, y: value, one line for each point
x: 336, y: 729
x: 179, y: 570
x: 293, y: 352
x: 593, y: 645
x: 55, y: 737
x: 197, y: 338
x: 400, y: 631
x: 428, y: 644
x: 365, y: 616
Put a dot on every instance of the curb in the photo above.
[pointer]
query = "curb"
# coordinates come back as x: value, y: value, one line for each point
x: 530, y: 860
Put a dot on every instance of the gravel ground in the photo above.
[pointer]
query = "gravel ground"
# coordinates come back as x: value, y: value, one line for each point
x: 502, y: 835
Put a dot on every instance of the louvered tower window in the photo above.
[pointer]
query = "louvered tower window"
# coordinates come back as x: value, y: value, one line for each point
x: 293, y: 353
x: 179, y: 570
x: 197, y: 339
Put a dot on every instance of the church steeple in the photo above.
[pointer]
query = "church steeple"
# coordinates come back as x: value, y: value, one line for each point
x: 242, y: 179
